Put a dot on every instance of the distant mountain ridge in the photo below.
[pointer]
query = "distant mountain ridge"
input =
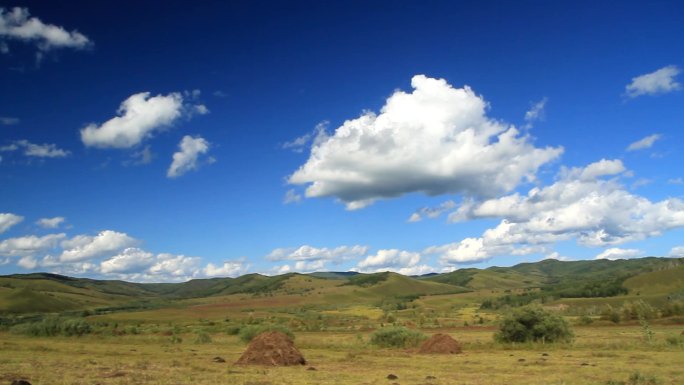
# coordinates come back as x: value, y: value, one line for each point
x: 47, y: 292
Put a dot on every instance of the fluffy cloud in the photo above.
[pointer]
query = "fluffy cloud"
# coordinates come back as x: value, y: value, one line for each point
x: 617, y: 253
x: 186, y: 159
x: 644, y: 143
x: 227, y: 269
x: 50, y: 223
x: 302, y: 267
x: 435, y: 140
x: 18, y: 25
x: 84, y: 247
x: 308, y: 253
x: 677, y: 252
x: 474, y: 250
x: 431, y: 212
x: 658, y: 82
x: 30, y: 245
x: 128, y: 261
x: 391, y: 258
x: 174, y: 267
x: 8, y: 220
x: 135, y: 264
x: 398, y: 261
x: 309, y: 259
x: 582, y: 204
x: 28, y: 262
x: 139, y: 117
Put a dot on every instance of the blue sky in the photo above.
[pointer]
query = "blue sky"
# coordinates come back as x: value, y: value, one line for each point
x: 163, y: 143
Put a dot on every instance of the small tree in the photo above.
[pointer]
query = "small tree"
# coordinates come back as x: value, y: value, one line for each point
x: 533, y: 324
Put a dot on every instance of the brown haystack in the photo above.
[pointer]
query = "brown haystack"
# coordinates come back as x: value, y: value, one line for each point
x: 273, y: 349
x: 440, y: 344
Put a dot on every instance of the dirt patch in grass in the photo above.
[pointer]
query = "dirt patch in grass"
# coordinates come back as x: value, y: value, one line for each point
x: 440, y: 344
x: 273, y: 349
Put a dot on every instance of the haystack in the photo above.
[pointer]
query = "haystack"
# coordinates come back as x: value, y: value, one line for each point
x: 440, y: 344
x: 272, y: 348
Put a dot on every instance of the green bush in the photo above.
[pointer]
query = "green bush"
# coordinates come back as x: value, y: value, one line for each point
x: 54, y: 326
x: 533, y: 324
x: 203, y: 338
x: 396, y: 337
x: 248, y: 332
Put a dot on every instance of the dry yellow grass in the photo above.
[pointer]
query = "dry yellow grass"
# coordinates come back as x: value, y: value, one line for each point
x: 600, y: 354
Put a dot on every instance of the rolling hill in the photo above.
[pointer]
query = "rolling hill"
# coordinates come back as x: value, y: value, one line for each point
x: 51, y: 293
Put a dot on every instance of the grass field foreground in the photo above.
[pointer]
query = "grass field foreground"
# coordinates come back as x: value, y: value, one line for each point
x: 599, y: 355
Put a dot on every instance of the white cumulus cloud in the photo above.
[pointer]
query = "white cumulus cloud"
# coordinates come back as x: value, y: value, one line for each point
x: 434, y: 140
x: 50, y: 223
x: 617, y: 253
x: 582, y: 204
x: 677, y: 252
x: 8, y: 220
x: 84, y: 247
x: 16, y: 24
x: 226, y: 269
x: 644, y: 143
x: 309, y: 253
x: 658, y: 82
x: 28, y: 262
x: 139, y: 117
x: 129, y: 260
x: 187, y: 158
x: 29, y: 245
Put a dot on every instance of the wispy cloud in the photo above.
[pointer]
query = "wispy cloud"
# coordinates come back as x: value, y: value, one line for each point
x: 45, y: 150
x: 50, y: 223
x: 644, y: 143
x: 661, y: 81
x: 535, y: 113
x: 8, y: 121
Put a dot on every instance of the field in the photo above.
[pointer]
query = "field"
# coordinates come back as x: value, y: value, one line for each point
x: 627, y: 318
x: 598, y: 355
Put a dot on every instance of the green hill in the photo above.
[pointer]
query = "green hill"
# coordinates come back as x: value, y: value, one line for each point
x: 649, y: 277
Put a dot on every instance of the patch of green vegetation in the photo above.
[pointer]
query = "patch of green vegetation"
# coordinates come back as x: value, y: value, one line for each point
x: 247, y: 333
x: 397, y: 337
x: 533, y: 324
x: 367, y: 280
x: 54, y: 326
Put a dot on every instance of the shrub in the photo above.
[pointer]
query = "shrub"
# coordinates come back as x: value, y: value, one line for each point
x: 203, y: 338
x: 248, y: 333
x: 675, y: 340
x: 396, y: 337
x: 533, y: 324
x: 54, y: 326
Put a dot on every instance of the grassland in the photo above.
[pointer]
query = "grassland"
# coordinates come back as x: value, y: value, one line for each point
x: 599, y: 355
x: 150, y: 333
